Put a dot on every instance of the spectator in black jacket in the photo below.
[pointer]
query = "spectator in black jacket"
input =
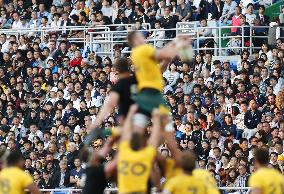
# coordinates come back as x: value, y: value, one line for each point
x: 61, y: 178
x: 252, y: 119
x: 217, y: 9
x: 169, y: 21
x: 45, y: 182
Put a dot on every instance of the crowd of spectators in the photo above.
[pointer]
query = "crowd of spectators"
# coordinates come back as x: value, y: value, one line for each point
x: 51, y: 89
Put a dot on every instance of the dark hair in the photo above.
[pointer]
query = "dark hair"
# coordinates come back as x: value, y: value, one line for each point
x: 262, y: 156
x: 188, y: 159
x: 122, y: 65
x: 136, y: 141
x: 14, y: 157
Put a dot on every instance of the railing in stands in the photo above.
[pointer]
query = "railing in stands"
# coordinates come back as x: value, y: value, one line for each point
x: 224, y: 190
x: 103, y: 39
x: 220, y: 44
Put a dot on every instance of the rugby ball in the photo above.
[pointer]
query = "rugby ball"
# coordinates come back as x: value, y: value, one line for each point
x: 186, y: 54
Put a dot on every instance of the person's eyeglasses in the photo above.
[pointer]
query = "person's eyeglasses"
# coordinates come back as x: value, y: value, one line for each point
x: 65, y: 60
x: 36, y: 86
x: 72, y: 118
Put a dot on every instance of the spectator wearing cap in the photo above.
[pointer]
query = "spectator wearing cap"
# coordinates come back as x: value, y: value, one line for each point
x: 24, y: 22
x: 65, y: 21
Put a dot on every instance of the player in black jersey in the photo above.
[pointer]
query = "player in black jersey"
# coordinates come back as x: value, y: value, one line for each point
x: 120, y: 94
x: 97, y: 173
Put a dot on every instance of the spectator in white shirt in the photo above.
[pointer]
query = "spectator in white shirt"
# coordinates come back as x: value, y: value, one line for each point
x: 160, y: 11
x: 17, y: 23
x: 244, y: 4
x: 250, y: 16
x: 55, y: 24
x: 34, y: 131
x: 107, y: 8
x: 158, y: 35
x: 229, y: 8
x: 171, y: 75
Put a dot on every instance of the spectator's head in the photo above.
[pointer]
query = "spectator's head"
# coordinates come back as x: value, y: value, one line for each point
x: 77, y: 162
x: 261, y: 9
x: 16, y: 16
x: 41, y: 7
x: 203, y: 22
x: 157, y: 24
x: 250, y: 8
x: 238, y: 10
x: 63, y: 165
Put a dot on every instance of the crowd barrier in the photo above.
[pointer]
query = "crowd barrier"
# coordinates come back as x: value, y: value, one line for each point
x: 224, y: 190
x: 104, y: 39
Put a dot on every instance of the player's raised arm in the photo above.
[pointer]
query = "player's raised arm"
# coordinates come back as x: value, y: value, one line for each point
x: 126, y: 129
x: 154, y: 139
x: 110, y: 103
x: 172, y: 146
